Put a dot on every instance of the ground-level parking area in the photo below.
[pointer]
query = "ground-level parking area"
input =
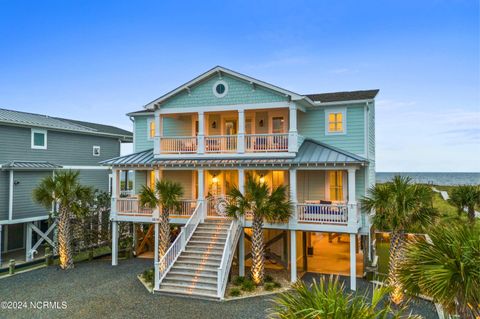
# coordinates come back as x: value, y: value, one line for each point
x: 98, y: 290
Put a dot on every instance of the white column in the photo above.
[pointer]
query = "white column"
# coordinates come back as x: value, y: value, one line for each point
x: 201, y: 133
x: 114, y: 243
x: 158, y: 133
x: 200, y: 192
x: 241, y: 132
x: 241, y: 254
x: 352, y: 201
x: 28, y: 242
x: 353, y: 262
x: 115, y: 188
x: 292, y: 133
x: 293, y: 194
x: 155, y: 260
x: 293, y: 256
x: 10, y: 197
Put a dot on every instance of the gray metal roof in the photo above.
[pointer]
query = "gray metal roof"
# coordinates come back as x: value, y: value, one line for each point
x: 311, y: 152
x: 38, y: 120
x: 29, y: 165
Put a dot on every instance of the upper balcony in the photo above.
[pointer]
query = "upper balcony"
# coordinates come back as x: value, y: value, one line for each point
x: 246, y: 132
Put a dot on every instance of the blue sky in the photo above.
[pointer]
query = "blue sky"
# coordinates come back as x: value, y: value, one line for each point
x: 97, y: 60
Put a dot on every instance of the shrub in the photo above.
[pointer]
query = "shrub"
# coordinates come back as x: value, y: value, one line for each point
x: 248, y: 285
x: 238, y: 281
x: 269, y: 286
x: 268, y: 278
x: 235, y: 292
x: 276, y: 284
x: 148, y: 276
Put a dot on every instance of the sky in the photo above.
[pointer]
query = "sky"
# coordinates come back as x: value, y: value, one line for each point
x: 98, y: 60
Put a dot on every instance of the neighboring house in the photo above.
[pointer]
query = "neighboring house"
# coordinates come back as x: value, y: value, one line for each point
x: 33, y: 146
x: 209, y: 133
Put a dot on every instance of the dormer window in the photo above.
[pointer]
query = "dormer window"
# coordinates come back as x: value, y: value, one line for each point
x: 335, y: 121
x: 39, y: 139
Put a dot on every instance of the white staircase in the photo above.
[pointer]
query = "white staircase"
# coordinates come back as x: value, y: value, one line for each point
x: 206, y: 257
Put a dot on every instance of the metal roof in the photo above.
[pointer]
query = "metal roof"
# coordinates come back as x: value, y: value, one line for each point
x: 29, y: 165
x: 311, y: 152
x: 38, y: 120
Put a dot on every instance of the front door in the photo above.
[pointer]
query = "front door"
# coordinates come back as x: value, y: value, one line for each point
x: 231, y: 132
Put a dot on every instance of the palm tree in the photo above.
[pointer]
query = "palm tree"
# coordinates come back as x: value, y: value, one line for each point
x: 399, y: 205
x: 64, y: 189
x: 166, y: 196
x: 447, y: 269
x: 263, y: 204
x: 327, y: 300
x: 466, y: 196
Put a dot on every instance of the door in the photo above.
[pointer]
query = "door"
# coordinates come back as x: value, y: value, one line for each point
x: 231, y: 132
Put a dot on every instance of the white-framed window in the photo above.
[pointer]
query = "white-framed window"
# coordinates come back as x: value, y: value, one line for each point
x: 220, y: 88
x: 96, y: 150
x: 39, y: 139
x: 335, y: 121
x: 151, y: 128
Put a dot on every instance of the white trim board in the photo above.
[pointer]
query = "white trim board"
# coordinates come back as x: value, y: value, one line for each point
x: 23, y: 220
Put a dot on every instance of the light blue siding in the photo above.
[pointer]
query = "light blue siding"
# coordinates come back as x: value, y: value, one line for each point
x: 180, y: 125
x: 97, y: 179
x: 360, y: 183
x: 239, y: 92
x: 141, y: 140
x: 371, y: 132
x: 140, y: 180
x: 312, y: 124
x: 4, y: 186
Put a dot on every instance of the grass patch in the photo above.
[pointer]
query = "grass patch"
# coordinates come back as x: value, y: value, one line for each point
x: 235, y: 292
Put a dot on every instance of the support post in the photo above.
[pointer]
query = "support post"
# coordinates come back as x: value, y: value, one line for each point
x: 158, y: 133
x: 156, y: 261
x: 353, y: 262
x: 241, y: 254
x: 352, y: 201
x: 10, y: 196
x: 28, y: 242
x: 293, y: 256
x: 201, y: 133
x: 241, y: 187
x: 1, y: 245
x: 114, y: 243
x: 241, y: 131
x: 115, y: 192
x: 200, y: 192
x: 293, y: 194
x: 292, y: 132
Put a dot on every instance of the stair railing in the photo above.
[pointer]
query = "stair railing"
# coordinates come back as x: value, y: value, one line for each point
x: 227, y: 256
x: 177, y: 247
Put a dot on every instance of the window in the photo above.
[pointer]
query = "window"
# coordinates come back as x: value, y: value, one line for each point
x: 336, y: 185
x: 151, y: 128
x: 335, y: 122
x: 96, y: 150
x: 278, y: 125
x: 152, y: 180
x: 39, y: 139
x: 220, y: 88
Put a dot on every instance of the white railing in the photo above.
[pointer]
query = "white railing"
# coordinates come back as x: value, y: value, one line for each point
x: 221, y: 144
x: 166, y: 261
x: 178, y: 144
x: 131, y: 206
x: 266, y: 143
x: 186, y: 208
x: 227, y: 256
x: 323, y: 213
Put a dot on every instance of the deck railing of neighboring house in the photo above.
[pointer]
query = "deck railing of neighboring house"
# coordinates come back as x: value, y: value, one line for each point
x: 132, y: 207
x: 266, y: 143
x: 166, y: 261
x: 221, y: 144
x: 322, y: 213
x: 227, y: 256
x: 178, y: 144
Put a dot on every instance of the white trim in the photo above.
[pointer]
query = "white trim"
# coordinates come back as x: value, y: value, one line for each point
x: 227, y: 155
x: 86, y: 167
x: 36, y: 147
x: 93, y: 150
x: 318, y: 103
x: 214, y: 88
x: 23, y: 220
x: 220, y: 108
x: 336, y: 110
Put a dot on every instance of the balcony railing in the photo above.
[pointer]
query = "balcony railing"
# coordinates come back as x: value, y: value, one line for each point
x: 178, y: 144
x: 322, y: 213
x: 266, y: 143
x: 131, y: 207
x: 221, y: 144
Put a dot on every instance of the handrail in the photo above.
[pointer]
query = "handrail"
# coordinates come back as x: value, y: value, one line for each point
x: 227, y: 255
x: 323, y: 213
x: 270, y: 142
x: 166, y: 262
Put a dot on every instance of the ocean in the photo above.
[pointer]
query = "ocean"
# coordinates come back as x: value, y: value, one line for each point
x: 434, y: 178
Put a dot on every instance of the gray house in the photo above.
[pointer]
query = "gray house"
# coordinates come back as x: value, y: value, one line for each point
x: 32, y: 146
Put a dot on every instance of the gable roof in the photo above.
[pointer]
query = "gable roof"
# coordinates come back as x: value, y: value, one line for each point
x: 343, y: 96
x: 19, y: 118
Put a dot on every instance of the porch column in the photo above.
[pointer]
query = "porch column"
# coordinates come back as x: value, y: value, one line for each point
x: 156, y: 262
x: 293, y: 256
x: 115, y: 191
x: 293, y: 194
x: 353, y: 262
x: 201, y: 133
x: 241, y: 254
x: 10, y: 196
x: 241, y: 131
x: 352, y: 200
x: 200, y: 192
x: 114, y: 243
x: 28, y: 242
x: 158, y: 133
x: 292, y: 133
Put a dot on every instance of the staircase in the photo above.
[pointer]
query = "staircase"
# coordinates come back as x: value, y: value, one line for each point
x: 195, y: 271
